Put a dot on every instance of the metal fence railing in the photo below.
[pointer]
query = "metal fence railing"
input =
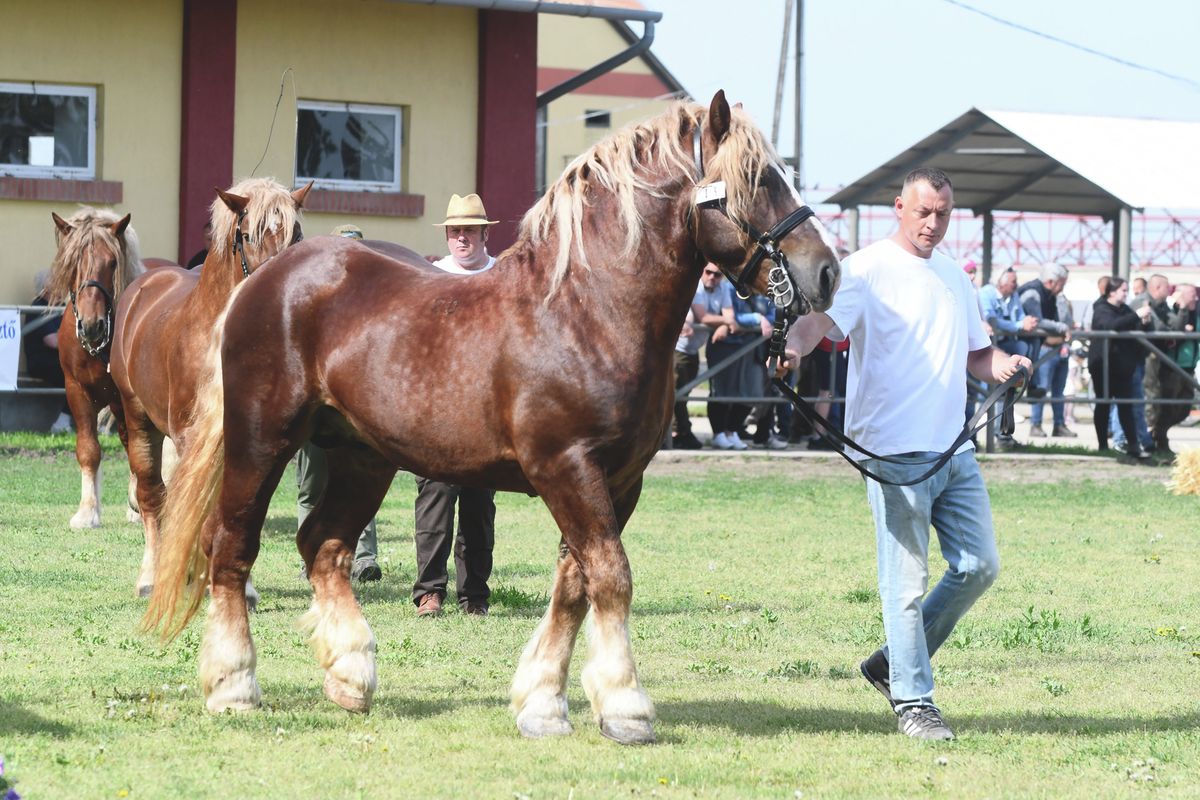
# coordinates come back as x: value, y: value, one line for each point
x: 1148, y: 340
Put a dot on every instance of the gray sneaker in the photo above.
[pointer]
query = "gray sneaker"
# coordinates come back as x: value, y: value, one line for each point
x: 875, y: 669
x: 924, y: 722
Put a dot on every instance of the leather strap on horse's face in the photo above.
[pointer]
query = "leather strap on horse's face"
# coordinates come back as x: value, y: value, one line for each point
x: 98, y: 351
x: 238, y: 243
x: 780, y: 287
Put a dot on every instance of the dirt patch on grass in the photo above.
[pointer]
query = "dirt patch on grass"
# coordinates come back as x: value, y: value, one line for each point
x: 1020, y: 468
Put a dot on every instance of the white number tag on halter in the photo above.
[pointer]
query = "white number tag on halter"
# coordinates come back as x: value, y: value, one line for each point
x: 713, y: 191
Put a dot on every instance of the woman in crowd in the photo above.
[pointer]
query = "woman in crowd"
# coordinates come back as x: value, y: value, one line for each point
x: 1109, y: 313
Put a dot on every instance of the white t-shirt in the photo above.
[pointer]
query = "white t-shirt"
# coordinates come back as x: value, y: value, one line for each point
x: 448, y: 264
x: 911, y: 322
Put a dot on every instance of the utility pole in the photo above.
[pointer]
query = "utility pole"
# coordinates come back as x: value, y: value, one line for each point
x: 799, y: 97
x: 783, y: 48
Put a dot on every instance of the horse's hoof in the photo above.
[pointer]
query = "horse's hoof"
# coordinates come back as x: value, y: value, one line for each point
x: 540, y: 727
x: 133, y: 517
x: 145, y: 591
x: 628, y: 731
x: 81, y: 521
x: 252, y: 603
x: 217, y: 706
x: 346, y: 697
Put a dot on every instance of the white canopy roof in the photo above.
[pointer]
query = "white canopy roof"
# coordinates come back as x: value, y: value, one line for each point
x: 1021, y: 161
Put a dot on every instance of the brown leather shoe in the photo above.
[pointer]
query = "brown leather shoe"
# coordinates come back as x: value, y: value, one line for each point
x: 430, y: 605
x: 476, y: 610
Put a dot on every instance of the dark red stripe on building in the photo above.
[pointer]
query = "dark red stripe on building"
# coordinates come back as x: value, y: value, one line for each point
x: 206, y: 141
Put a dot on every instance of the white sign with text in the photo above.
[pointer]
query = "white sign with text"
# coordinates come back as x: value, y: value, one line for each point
x: 10, y: 347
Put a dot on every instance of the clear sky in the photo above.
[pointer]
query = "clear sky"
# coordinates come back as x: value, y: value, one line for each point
x: 879, y: 75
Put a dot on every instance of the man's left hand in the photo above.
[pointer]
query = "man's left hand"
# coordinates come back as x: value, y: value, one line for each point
x: 1014, y: 364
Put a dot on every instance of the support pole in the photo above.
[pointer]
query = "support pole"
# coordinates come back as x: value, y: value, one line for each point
x: 852, y: 229
x: 989, y: 223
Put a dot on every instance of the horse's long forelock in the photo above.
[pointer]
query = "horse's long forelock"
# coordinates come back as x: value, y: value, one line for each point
x: 642, y: 159
x: 87, y: 225
x: 270, y: 204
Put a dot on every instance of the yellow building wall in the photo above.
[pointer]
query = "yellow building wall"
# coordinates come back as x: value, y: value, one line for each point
x: 130, y: 50
x: 579, y: 44
x: 423, y: 58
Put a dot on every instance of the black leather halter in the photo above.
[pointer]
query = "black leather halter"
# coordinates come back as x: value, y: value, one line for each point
x: 100, y: 350
x: 780, y: 287
x: 240, y: 240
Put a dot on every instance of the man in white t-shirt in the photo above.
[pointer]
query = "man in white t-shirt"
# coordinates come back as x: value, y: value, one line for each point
x: 914, y: 326
x: 466, y: 237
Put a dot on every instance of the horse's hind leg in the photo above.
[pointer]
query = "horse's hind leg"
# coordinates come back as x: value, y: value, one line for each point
x: 539, y: 696
x: 575, y: 491
x: 231, y: 540
x: 87, y: 453
x: 341, y: 638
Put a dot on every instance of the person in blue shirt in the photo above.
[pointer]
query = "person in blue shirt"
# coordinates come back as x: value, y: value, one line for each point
x: 1001, y: 309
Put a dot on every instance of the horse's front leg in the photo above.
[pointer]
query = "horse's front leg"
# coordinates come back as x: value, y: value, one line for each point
x: 539, y: 688
x: 144, y: 447
x: 580, y: 501
x: 87, y: 453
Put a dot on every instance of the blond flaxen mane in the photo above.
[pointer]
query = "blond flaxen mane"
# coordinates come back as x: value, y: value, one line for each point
x: 645, y: 158
x: 72, y: 262
x: 271, y: 208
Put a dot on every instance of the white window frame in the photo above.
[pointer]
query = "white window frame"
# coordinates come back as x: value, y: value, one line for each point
x: 397, y: 113
x: 77, y: 173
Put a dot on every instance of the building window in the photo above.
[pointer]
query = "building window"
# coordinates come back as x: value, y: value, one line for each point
x: 349, y: 146
x: 597, y: 119
x: 47, y: 131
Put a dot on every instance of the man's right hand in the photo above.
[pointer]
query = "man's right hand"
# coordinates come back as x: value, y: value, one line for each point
x: 787, y: 363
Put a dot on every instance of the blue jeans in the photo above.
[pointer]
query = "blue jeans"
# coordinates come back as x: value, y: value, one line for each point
x: 1052, y: 376
x: 955, y: 502
x: 1139, y: 414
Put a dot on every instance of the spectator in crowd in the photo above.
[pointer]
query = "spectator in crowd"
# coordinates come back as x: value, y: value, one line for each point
x: 687, y: 367
x: 756, y: 316
x: 466, y: 227
x: 312, y: 475
x: 1056, y: 353
x: 1154, y: 291
x: 1138, y: 287
x: 1038, y: 298
x: 197, y: 260
x: 1163, y: 380
x: 1114, y: 379
x: 741, y: 379
x: 1003, y: 313
x: 39, y: 339
x: 1085, y: 321
x: 914, y: 327
x: 713, y: 307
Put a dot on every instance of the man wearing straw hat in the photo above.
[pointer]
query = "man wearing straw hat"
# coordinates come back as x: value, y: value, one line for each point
x: 466, y: 237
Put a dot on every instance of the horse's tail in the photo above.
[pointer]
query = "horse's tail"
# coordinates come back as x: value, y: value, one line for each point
x: 181, y: 574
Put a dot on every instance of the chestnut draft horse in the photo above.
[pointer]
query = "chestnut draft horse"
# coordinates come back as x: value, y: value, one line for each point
x: 97, y: 258
x: 551, y: 374
x: 164, y: 325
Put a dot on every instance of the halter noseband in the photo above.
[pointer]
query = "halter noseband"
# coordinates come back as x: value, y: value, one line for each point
x: 780, y: 287
x: 99, y: 351
x: 239, y: 240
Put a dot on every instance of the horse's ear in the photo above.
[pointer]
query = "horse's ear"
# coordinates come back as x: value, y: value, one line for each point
x: 718, y: 116
x: 234, y: 202
x: 302, y: 193
x: 118, y: 227
x: 63, y: 226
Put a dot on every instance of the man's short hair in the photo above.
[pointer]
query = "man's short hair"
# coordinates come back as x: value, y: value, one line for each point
x: 931, y: 175
x: 1003, y: 273
x: 1052, y: 272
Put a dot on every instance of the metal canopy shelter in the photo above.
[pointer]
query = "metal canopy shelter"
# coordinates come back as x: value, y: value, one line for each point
x: 1054, y: 163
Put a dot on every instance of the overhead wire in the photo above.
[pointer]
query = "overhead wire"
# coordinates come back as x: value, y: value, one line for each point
x: 1194, y: 85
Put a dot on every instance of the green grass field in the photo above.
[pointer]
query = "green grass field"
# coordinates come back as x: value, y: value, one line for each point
x: 1075, y: 676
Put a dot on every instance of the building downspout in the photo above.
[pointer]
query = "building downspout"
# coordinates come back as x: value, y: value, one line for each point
x: 571, y: 84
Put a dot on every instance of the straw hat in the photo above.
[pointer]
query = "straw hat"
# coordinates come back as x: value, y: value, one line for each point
x: 466, y: 211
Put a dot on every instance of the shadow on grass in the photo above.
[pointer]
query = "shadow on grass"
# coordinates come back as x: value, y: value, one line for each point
x: 764, y: 719
x: 14, y: 720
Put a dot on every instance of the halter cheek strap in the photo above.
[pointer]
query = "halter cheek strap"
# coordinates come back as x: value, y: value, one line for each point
x: 239, y: 243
